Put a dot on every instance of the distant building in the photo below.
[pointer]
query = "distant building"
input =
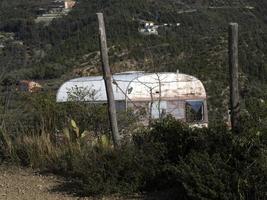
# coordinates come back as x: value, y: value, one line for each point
x: 69, y: 4
x: 28, y: 86
x: 148, y: 28
x: 55, y: 9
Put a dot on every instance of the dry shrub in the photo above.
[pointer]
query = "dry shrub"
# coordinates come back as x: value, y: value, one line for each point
x: 35, y: 150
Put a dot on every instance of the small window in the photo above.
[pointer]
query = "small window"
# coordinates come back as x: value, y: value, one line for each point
x: 194, y: 111
x: 158, y: 109
x: 176, y: 109
x: 120, y: 106
x: 24, y: 87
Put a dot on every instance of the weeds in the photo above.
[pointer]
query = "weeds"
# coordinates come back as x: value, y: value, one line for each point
x: 35, y: 151
x: 5, y: 144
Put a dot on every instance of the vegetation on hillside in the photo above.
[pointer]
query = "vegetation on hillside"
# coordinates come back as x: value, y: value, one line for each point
x: 198, y: 47
x: 72, y: 139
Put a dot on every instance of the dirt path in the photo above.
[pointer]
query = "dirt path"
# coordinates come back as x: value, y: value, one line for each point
x: 25, y: 184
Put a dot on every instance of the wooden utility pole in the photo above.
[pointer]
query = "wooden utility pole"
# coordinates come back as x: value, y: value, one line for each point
x: 108, y: 81
x: 233, y: 69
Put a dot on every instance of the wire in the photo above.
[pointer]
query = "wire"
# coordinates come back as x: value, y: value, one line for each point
x: 115, y: 83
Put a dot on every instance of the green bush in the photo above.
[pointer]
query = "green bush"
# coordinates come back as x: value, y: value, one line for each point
x: 189, y: 163
x: 210, y: 163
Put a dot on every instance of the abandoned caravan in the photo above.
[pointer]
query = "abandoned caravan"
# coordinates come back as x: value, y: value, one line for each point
x: 153, y: 94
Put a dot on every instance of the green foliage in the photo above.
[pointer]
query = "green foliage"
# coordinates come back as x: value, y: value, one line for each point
x: 198, y: 47
x: 209, y: 163
x: 108, y: 172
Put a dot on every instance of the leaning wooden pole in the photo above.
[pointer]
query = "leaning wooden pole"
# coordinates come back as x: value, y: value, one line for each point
x: 233, y: 69
x: 108, y: 81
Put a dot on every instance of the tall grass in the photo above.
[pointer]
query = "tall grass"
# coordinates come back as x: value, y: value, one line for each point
x: 5, y: 143
x: 35, y: 150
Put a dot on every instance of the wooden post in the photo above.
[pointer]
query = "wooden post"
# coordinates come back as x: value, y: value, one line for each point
x: 108, y: 81
x: 233, y: 69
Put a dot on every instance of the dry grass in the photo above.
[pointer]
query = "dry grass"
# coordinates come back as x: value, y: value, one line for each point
x: 35, y: 151
x: 6, y: 142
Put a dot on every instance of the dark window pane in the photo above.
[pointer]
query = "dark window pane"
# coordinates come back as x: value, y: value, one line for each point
x: 194, y: 111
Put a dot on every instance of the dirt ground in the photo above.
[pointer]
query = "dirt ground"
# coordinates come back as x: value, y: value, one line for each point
x: 25, y: 184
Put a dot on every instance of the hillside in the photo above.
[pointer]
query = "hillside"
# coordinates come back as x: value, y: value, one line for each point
x: 168, y: 158
x: 68, y: 47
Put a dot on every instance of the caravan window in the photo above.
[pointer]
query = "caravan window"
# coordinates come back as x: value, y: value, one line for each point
x: 194, y: 111
x: 158, y: 108
x: 176, y: 109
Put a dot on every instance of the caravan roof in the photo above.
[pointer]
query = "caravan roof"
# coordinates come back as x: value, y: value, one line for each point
x: 136, y: 85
